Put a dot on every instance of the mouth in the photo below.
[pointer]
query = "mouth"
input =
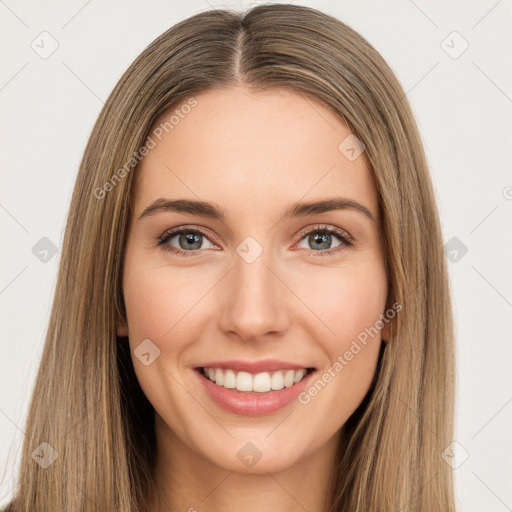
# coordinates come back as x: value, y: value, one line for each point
x: 261, y: 382
x: 253, y: 388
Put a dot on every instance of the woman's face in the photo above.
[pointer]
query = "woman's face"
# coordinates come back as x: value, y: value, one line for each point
x: 253, y: 286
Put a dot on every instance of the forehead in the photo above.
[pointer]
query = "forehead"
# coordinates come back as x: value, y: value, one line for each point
x: 244, y: 148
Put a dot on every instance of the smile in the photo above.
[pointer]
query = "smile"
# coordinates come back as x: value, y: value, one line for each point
x: 262, y: 382
x: 253, y: 388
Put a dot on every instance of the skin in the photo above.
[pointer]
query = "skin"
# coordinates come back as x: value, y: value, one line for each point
x: 252, y: 153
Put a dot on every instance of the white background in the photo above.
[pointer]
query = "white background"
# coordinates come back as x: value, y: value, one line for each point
x: 464, y: 110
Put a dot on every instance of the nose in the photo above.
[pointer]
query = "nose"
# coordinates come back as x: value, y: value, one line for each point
x: 255, y: 301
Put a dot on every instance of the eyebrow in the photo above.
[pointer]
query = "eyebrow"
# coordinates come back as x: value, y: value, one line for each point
x: 213, y: 211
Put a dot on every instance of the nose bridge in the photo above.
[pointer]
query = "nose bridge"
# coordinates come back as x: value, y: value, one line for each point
x: 254, y: 304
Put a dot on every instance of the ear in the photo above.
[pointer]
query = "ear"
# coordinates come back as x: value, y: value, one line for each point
x: 122, y: 329
x: 385, y: 332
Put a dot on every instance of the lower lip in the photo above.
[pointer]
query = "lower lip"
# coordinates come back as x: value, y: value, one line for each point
x: 253, y: 403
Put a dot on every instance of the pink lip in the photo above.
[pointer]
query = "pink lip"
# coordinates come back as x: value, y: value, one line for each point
x: 252, y: 403
x: 267, y: 365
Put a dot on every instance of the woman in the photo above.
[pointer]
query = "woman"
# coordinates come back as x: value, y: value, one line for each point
x: 201, y: 355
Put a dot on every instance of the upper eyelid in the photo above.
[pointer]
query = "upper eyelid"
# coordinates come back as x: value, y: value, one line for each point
x: 325, y: 227
x: 172, y: 232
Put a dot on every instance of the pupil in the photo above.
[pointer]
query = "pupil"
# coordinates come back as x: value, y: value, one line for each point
x: 191, y: 238
x: 321, y: 238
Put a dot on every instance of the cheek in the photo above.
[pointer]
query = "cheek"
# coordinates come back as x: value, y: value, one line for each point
x: 162, y: 306
x: 160, y: 303
x: 344, y: 302
x: 350, y: 342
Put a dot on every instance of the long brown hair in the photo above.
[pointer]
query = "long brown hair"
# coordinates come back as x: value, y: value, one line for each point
x: 87, y: 404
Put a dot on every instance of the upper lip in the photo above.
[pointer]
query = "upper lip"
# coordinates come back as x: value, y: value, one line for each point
x: 266, y: 365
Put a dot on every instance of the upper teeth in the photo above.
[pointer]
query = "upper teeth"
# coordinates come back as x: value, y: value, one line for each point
x: 259, y: 382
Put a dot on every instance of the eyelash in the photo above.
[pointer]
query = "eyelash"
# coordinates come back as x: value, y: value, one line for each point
x: 345, y: 239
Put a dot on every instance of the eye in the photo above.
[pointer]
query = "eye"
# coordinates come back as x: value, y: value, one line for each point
x: 321, y: 238
x: 189, y: 241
